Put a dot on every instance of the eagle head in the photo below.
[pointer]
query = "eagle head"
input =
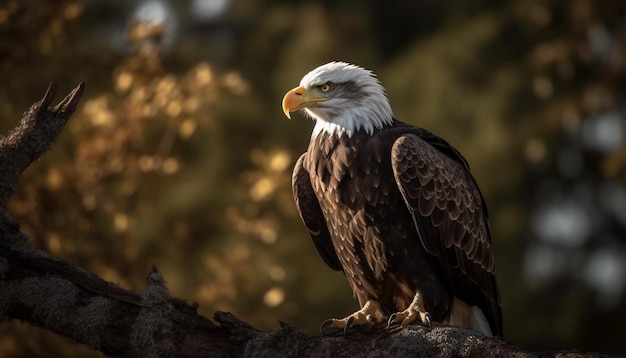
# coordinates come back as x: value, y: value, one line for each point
x: 342, y: 98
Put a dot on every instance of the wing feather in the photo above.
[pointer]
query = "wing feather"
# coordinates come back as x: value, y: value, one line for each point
x: 311, y: 214
x: 450, y: 217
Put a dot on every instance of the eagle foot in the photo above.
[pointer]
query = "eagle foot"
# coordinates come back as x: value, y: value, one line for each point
x: 411, y: 314
x: 371, y: 314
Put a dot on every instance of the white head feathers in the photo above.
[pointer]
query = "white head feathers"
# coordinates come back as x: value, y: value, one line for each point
x: 356, y: 100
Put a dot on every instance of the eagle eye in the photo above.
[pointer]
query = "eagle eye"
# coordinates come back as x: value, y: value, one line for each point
x: 325, y: 87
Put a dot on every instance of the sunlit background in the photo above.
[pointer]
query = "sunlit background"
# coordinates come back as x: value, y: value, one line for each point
x: 180, y: 156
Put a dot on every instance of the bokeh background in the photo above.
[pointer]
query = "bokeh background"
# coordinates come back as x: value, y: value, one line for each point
x: 179, y: 154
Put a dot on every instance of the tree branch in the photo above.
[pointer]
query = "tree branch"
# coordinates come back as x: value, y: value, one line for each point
x: 72, y: 302
x: 38, y: 129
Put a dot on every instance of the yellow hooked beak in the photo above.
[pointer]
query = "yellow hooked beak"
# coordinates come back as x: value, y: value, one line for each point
x: 299, y: 98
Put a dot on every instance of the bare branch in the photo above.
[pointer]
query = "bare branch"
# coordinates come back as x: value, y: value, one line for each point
x: 38, y: 129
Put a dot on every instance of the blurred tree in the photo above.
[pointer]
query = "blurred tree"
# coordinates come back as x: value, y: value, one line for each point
x: 180, y: 156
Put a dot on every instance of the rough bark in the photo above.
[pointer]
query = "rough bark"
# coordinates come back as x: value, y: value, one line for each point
x: 72, y: 302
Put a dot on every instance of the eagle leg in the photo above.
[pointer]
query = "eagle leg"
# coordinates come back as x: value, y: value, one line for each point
x: 370, y: 314
x: 412, y: 313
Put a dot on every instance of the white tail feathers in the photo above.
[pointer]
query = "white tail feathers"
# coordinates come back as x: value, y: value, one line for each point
x: 471, y: 317
x: 478, y: 322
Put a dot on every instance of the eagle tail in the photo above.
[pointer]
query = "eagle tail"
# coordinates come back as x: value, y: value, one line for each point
x: 478, y: 322
x: 472, y: 317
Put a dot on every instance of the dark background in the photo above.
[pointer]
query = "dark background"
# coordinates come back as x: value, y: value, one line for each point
x: 180, y: 156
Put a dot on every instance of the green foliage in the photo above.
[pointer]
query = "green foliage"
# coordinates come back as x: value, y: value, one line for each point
x: 179, y: 155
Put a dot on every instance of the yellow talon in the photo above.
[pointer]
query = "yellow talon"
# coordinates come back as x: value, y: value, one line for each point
x: 371, y: 314
x: 412, y: 313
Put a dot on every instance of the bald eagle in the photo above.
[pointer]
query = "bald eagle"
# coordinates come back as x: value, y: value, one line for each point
x: 393, y: 206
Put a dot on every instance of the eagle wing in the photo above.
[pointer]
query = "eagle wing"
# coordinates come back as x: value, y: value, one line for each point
x: 311, y: 214
x: 450, y: 216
